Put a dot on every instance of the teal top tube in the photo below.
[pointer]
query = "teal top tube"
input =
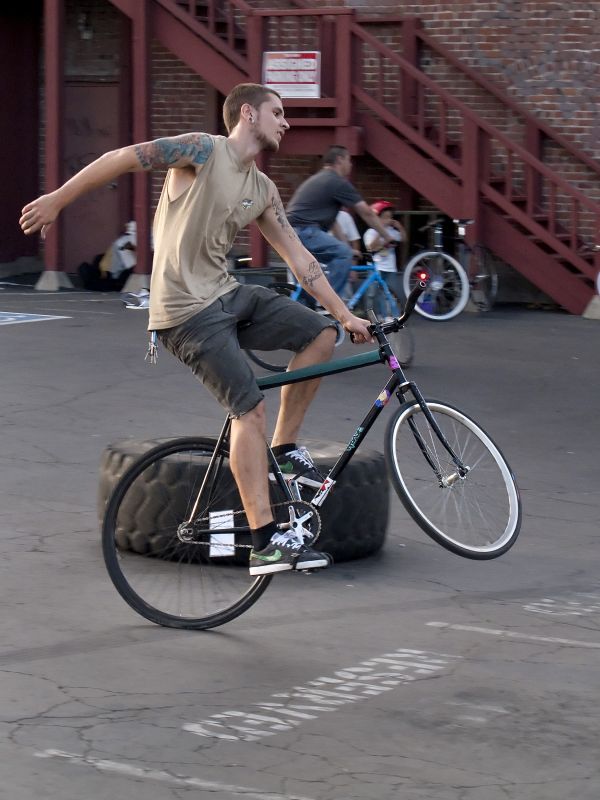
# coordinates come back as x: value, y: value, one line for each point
x: 318, y: 370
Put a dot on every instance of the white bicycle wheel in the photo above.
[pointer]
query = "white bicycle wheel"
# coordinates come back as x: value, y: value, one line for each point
x: 476, y: 515
x: 447, y: 289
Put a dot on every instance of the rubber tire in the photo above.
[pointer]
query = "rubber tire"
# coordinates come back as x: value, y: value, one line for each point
x: 140, y: 509
x: 354, y: 516
x: 278, y: 360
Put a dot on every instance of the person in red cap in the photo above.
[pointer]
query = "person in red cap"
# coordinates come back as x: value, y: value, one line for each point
x: 384, y: 254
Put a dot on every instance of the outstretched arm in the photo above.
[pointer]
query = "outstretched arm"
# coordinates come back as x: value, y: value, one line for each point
x: 188, y: 151
x: 282, y: 237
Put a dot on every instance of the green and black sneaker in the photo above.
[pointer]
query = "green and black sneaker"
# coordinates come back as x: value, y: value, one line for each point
x: 298, y: 464
x: 286, y: 552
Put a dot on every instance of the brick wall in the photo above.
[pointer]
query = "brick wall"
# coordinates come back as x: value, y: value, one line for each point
x: 544, y: 54
x: 181, y: 102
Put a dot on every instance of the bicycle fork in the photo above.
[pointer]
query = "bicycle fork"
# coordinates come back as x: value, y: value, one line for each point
x: 445, y: 481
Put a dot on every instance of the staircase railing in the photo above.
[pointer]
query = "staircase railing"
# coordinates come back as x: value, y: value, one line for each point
x: 480, y: 158
x: 224, y: 25
x: 536, y: 130
x: 362, y: 74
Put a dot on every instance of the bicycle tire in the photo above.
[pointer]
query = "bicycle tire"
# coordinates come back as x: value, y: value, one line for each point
x: 447, y: 292
x: 271, y: 360
x: 478, y: 516
x: 171, y: 583
x: 278, y: 360
x: 483, y: 278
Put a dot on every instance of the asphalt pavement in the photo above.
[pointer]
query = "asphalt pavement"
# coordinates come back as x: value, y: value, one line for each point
x: 411, y: 674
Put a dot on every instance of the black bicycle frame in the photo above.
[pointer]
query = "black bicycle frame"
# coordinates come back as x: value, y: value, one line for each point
x: 397, y: 384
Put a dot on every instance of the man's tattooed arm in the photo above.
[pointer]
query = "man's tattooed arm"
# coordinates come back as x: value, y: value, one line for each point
x: 190, y: 149
x: 281, y: 218
x: 312, y: 274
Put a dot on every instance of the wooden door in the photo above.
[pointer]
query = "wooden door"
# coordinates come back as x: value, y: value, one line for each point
x: 93, y: 221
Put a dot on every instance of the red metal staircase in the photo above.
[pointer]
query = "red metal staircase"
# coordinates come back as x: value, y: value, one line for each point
x: 379, y: 101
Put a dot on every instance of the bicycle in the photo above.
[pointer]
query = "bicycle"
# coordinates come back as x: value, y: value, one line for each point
x: 447, y: 292
x: 191, y: 570
x: 402, y: 341
x: 481, y: 269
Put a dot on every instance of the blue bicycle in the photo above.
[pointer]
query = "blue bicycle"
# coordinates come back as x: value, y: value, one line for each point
x: 377, y: 295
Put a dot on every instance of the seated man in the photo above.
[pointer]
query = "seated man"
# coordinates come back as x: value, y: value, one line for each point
x: 314, y: 207
x: 213, y: 189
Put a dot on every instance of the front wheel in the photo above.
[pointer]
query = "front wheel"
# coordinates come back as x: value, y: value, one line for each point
x: 477, y: 515
x: 193, y: 575
x: 447, y: 291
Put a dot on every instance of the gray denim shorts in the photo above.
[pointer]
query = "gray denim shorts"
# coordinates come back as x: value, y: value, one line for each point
x: 250, y: 317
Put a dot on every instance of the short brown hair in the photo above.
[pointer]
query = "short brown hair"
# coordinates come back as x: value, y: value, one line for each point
x: 335, y: 151
x: 252, y: 93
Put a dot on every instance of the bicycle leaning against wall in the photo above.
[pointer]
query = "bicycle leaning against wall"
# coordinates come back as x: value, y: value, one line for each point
x: 452, y: 281
x: 175, y: 538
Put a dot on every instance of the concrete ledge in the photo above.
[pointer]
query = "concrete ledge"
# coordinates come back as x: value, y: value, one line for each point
x: 593, y: 308
x: 52, y: 280
x: 135, y: 282
x: 25, y: 265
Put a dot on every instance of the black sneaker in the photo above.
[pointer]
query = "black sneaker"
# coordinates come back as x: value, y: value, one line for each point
x: 285, y: 552
x: 298, y: 464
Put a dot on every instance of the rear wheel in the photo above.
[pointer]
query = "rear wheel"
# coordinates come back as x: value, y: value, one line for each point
x: 447, y: 289
x: 193, y: 575
x: 483, y: 278
x: 278, y: 360
x: 477, y: 515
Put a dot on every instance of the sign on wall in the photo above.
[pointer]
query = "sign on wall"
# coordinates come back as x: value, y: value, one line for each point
x: 293, y: 74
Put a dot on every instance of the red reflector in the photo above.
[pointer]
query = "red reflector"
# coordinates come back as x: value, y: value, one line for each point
x: 423, y: 276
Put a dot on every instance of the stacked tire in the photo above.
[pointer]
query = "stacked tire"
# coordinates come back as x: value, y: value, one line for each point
x: 354, y: 516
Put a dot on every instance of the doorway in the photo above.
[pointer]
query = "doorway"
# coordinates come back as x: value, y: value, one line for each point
x: 94, y: 220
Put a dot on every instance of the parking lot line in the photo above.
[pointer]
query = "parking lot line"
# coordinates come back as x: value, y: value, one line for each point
x: 514, y: 635
x: 131, y: 771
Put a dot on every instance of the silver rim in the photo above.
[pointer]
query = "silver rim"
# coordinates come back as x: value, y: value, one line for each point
x: 479, y: 513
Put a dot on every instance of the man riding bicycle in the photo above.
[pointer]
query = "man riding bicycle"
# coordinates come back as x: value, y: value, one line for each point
x: 202, y: 315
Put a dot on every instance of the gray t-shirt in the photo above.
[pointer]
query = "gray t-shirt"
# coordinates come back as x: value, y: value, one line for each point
x: 318, y: 200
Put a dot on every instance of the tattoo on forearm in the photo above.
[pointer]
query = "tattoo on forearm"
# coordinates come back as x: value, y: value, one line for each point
x: 313, y: 273
x: 277, y: 206
x: 168, y: 151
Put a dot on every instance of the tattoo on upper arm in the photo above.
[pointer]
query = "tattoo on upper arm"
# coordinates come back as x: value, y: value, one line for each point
x: 196, y: 147
x: 277, y: 207
x: 313, y: 273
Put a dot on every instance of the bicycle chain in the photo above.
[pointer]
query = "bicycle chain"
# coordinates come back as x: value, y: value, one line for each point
x: 316, y: 517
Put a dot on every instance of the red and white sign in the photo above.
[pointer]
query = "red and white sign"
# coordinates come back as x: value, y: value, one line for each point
x: 293, y: 74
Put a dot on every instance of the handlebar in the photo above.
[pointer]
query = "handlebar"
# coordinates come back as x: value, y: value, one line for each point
x: 398, y: 323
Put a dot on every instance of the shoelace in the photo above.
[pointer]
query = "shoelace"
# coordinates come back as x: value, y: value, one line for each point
x: 288, y: 539
x: 302, y: 455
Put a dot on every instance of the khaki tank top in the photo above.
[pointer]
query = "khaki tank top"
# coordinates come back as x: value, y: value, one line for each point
x: 194, y: 233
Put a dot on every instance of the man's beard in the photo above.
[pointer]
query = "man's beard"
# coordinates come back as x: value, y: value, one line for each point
x: 265, y: 143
